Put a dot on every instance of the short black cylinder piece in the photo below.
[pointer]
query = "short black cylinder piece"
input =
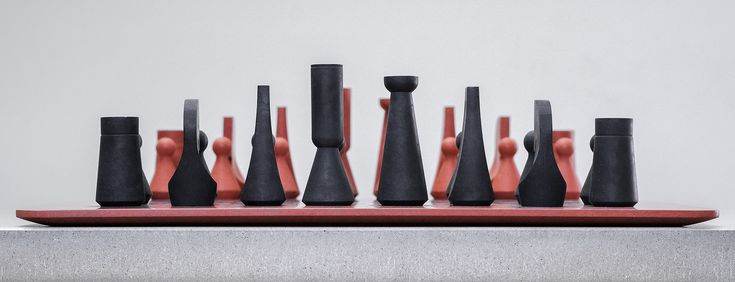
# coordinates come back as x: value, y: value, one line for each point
x: 613, y: 172
x: 120, y: 178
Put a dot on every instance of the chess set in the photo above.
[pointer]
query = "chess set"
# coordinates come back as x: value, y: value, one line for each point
x: 465, y: 191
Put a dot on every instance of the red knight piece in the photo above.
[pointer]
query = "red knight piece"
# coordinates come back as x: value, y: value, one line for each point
x: 447, y: 157
x: 283, y: 157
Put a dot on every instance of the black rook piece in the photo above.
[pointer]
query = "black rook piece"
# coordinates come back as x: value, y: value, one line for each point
x: 541, y: 184
x: 613, y: 176
x: 585, y: 194
x: 402, y: 181
x: 328, y: 184
x: 120, y: 178
x: 263, y: 184
x: 471, y: 184
x: 191, y: 184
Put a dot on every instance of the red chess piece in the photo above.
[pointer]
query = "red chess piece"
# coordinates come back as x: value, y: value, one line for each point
x: 506, y: 175
x: 178, y: 137
x: 502, y: 131
x: 564, y: 155
x: 165, y: 167
x: 384, y: 103
x: 283, y: 157
x: 447, y: 158
x: 347, y: 92
x: 229, y: 132
x: 227, y: 185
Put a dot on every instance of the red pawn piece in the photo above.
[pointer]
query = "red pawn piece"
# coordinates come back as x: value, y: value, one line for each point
x: 178, y: 137
x: 347, y: 92
x: 229, y: 132
x: 227, y: 185
x: 502, y: 131
x: 384, y: 103
x: 165, y: 167
x: 447, y: 158
x: 506, y: 174
x: 564, y: 155
x: 283, y: 157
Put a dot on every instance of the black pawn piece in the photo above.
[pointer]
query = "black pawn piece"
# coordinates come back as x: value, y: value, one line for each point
x: 543, y: 184
x: 263, y: 184
x: 402, y: 181
x: 528, y: 144
x: 613, y: 181
x: 585, y: 193
x: 458, y: 142
x: 120, y: 178
x: 191, y: 184
x: 471, y: 184
x: 328, y: 184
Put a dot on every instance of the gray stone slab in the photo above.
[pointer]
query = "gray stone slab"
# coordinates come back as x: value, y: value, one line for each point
x: 702, y: 253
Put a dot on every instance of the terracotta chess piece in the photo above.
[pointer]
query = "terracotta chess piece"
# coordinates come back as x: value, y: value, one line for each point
x: 120, y: 177
x: 229, y: 132
x: 457, y: 144
x: 447, y: 157
x: 502, y: 130
x: 263, y: 183
x: 613, y: 181
x: 506, y: 176
x: 283, y: 157
x: 223, y: 173
x: 564, y: 155
x: 191, y: 184
x: 346, y: 146
x: 178, y: 137
x: 585, y: 194
x: 471, y: 184
x: 542, y: 184
x: 528, y: 145
x: 402, y: 180
x: 384, y: 103
x: 328, y: 183
x: 165, y: 167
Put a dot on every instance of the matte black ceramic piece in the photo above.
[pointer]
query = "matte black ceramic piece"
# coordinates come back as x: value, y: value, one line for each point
x: 263, y: 183
x: 613, y: 176
x: 585, y: 193
x: 541, y: 184
x: 458, y: 142
x: 528, y: 144
x: 328, y: 183
x: 191, y: 184
x: 470, y: 183
x: 120, y: 178
x: 402, y: 181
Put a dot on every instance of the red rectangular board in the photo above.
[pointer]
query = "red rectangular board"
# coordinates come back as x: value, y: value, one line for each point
x: 294, y: 213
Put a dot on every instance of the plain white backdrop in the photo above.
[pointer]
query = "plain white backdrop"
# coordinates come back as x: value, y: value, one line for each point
x: 670, y: 65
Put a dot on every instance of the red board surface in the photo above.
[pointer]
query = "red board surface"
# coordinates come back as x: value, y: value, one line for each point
x: 501, y: 212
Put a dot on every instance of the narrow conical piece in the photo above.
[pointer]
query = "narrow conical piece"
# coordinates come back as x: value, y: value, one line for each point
x: 447, y: 157
x: 263, y: 184
x: 471, y: 185
x: 402, y: 180
x: 120, y: 178
x: 585, y: 194
x: 283, y: 157
x: 385, y: 104
x: 542, y: 184
x: 328, y: 183
x: 613, y: 181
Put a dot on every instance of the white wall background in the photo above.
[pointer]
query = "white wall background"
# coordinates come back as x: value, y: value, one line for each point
x: 668, y: 64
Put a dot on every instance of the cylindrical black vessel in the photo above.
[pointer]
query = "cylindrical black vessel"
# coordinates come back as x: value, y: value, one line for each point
x: 613, y: 164
x: 120, y: 178
x: 327, y: 124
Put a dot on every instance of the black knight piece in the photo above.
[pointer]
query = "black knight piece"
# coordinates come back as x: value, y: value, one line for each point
x: 542, y: 184
x: 613, y: 181
x: 120, y: 177
x: 263, y: 184
x: 585, y: 193
x: 470, y: 185
x: 328, y: 183
x: 402, y: 181
x: 191, y: 184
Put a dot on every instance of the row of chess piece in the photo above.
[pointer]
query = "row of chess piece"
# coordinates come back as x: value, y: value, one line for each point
x: 463, y: 176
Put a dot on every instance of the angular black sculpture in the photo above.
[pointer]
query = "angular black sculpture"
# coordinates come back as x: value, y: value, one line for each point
x: 263, y: 184
x: 470, y: 183
x: 328, y: 183
x: 191, y: 184
x: 613, y: 181
x: 542, y: 184
x: 528, y: 144
x: 120, y: 178
x: 585, y: 193
x: 402, y: 181
x: 458, y: 142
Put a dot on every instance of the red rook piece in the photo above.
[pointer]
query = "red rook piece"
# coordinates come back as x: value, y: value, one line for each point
x: 347, y: 92
x: 283, y: 157
x: 384, y: 103
x: 223, y: 173
x: 564, y: 155
x: 447, y: 157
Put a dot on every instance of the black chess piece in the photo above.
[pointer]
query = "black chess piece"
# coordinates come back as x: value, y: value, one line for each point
x: 585, y: 193
x: 328, y: 183
x: 613, y: 181
x: 263, y: 183
x: 542, y: 184
x: 120, y: 178
x: 458, y: 142
x: 191, y: 184
x: 528, y: 144
x: 402, y: 181
x: 471, y: 185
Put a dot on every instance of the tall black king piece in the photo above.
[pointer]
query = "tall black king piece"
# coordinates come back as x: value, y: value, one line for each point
x: 402, y: 181
x: 191, y: 184
x: 613, y: 181
x: 541, y: 183
x: 263, y: 184
x: 120, y: 177
x: 328, y: 184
